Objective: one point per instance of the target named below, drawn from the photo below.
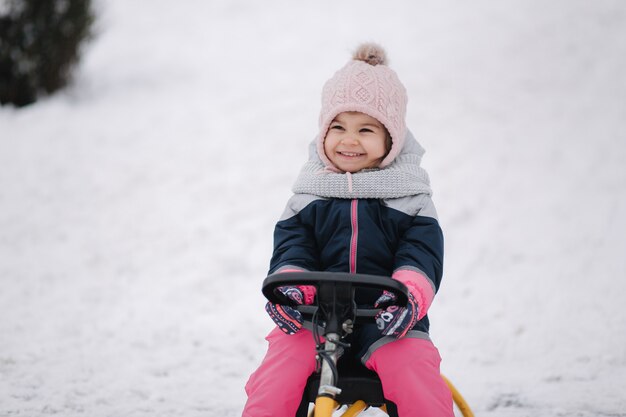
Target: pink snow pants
(408, 369)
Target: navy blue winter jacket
(369, 236)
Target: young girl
(361, 205)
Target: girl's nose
(350, 140)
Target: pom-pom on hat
(367, 85)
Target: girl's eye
(336, 127)
(365, 130)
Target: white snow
(137, 207)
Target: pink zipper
(355, 235)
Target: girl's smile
(355, 141)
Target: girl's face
(355, 141)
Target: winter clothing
(367, 85)
(379, 235)
(393, 320)
(414, 363)
(275, 388)
(404, 177)
(293, 294)
(397, 237)
(375, 221)
(288, 319)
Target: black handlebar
(319, 279)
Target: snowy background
(137, 207)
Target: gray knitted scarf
(404, 177)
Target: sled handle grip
(317, 278)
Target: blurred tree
(39, 44)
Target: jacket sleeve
(419, 257)
(295, 247)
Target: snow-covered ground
(137, 207)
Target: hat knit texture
(367, 85)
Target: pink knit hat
(367, 85)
